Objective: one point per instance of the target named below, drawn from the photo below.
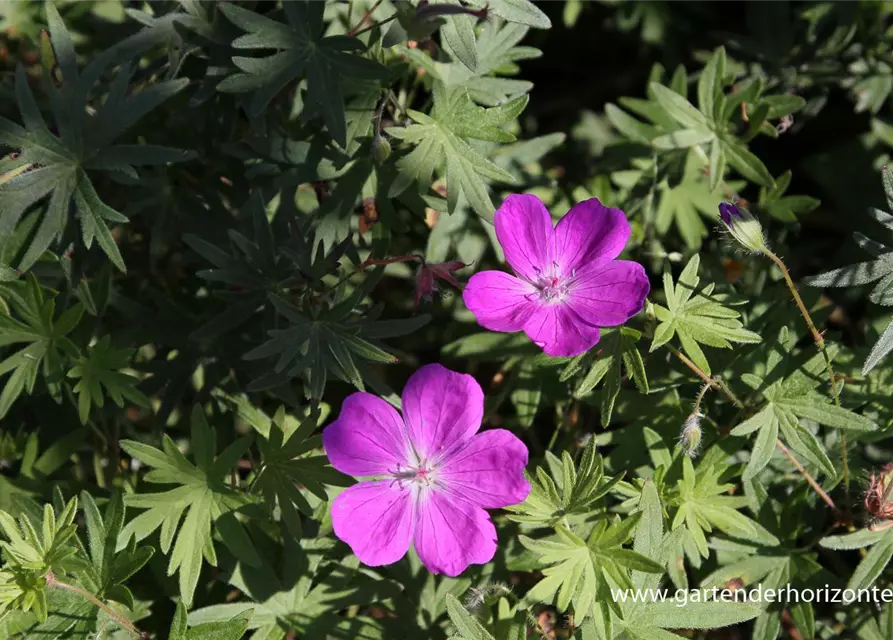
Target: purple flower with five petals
(568, 282)
(432, 475)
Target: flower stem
(52, 581)
(719, 384)
(366, 16)
(812, 483)
(820, 343)
(712, 382)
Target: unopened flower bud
(381, 149)
(878, 500)
(429, 273)
(743, 226)
(691, 434)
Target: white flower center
(419, 475)
(553, 286)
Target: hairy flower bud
(690, 438)
(381, 149)
(743, 226)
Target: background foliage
(219, 219)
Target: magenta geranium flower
(432, 475)
(567, 281)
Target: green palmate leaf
(54, 167)
(570, 490)
(285, 466)
(319, 345)
(615, 353)
(34, 324)
(202, 499)
(497, 51)
(303, 52)
(35, 549)
(99, 374)
(577, 569)
(703, 503)
(697, 316)
(686, 204)
(441, 145)
(789, 388)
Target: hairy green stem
(52, 581)
(820, 343)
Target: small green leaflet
(697, 316)
(570, 490)
(201, 494)
(99, 375)
(55, 167)
(441, 145)
(303, 52)
(108, 569)
(880, 269)
(576, 570)
(790, 393)
(874, 562)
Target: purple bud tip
(727, 211)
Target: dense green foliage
(217, 220)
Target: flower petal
(376, 519)
(452, 534)
(368, 438)
(589, 235)
(442, 408)
(488, 471)
(559, 331)
(611, 295)
(499, 301)
(524, 229)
